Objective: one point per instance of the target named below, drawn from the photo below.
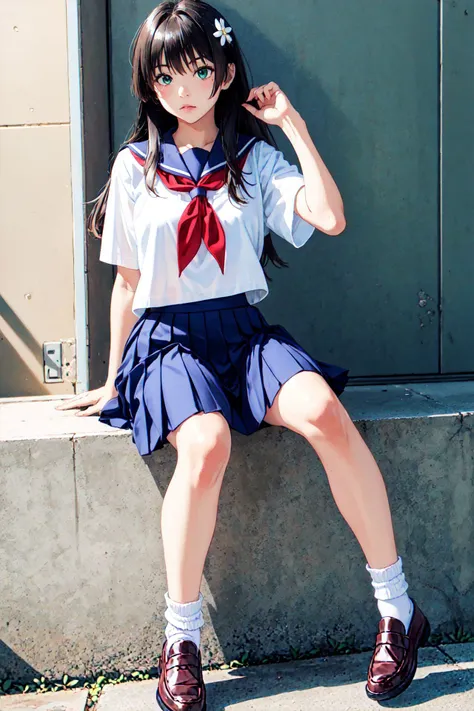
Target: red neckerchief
(199, 221)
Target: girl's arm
(319, 201)
(122, 317)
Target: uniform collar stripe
(172, 169)
(172, 161)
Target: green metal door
(457, 188)
(366, 78)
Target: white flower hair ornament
(222, 31)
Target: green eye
(206, 70)
(164, 76)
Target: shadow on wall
(17, 377)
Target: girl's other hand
(273, 104)
(92, 400)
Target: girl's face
(188, 95)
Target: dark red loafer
(395, 657)
(180, 684)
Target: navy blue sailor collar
(172, 161)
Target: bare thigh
(307, 405)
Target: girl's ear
(230, 76)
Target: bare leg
(307, 405)
(189, 510)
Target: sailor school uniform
(200, 344)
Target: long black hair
(172, 32)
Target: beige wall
(36, 236)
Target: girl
(184, 217)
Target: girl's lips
(188, 106)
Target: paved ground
(52, 701)
(444, 680)
(330, 684)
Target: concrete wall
(83, 573)
(36, 247)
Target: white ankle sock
(390, 588)
(184, 620)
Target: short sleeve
(118, 243)
(280, 181)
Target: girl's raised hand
(92, 400)
(273, 104)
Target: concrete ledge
(35, 417)
(84, 576)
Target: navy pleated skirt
(214, 355)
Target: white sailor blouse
(191, 241)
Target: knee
(325, 418)
(205, 453)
